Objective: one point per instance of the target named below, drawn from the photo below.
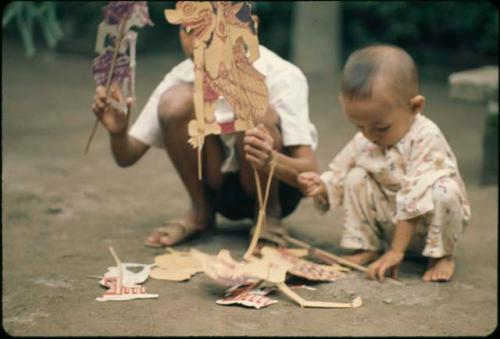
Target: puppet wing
(242, 85)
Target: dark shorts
(232, 202)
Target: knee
(355, 178)
(445, 192)
(176, 105)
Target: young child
(397, 179)
(228, 186)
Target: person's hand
(310, 184)
(389, 261)
(114, 121)
(258, 147)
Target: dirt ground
(61, 211)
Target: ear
(417, 104)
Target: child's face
(382, 118)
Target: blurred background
(449, 34)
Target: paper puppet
(122, 283)
(115, 46)
(270, 269)
(303, 268)
(225, 46)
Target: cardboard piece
(129, 277)
(115, 46)
(175, 266)
(116, 293)
(122, 283)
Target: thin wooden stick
(108, 81)
(119, 267)
(338, 259)
(256, 235)
(269, 179)
(310, 303)
(257, 184)
(262, 210)
(199, 156)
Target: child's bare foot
(362, 257)
(440, 269)
(173, 232)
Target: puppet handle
(262, 209)
(119, 267)
(108, 81)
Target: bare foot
(440, 269)
(362, 257)
(175, 231)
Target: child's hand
(258, 146)
(113, 120)
(311, 184)
(390, 260)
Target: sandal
(176, 230)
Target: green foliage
(439, 32)
(26, 14)
(275, 25)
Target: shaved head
(380, 65)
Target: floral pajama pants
(369, 217)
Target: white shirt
(288, 95)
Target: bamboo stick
(109, 80)
(338, 259)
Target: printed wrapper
(125, 293)
(252, 298)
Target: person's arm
(394, 256)
(126, 149)
(296, 159)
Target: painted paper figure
(270, 269)
(225, 46)
(115, 44)
(122, 283)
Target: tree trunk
(316, 36)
